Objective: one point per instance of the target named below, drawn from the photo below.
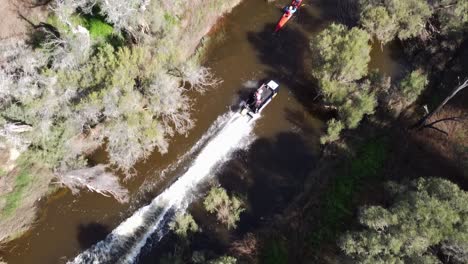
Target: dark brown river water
(245, 52)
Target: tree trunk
(422, 122)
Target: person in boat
(291, 10)
(296, 2)
(258, 98)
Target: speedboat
(259, 99)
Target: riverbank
(23, 188)
(12, 25)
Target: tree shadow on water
(91, 233)
(342, 11)
(270, 173)
(309, 128)
(286, 53)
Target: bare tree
(71, 49)
(133, 139)
(169, 103)
(64, 9)
(246, 247)
(197, 77)
(422, 123)
(123, 14)
(20, 79)
(95, 179)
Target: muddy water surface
(244, 53)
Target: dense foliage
(183, 224)
(77, 91)
(387, 19)
(340, 54)
(412, 85)
(403, 18)
(340, 60)
(423, 215)
(378, 22)
(227, 209)
(223, 260)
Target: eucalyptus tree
(422, 216)
(340, 64)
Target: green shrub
(227, 209)
(334, 128)
(223, 260)
(356, 107)
(13, 199)
(183, 224)
(97, 27)
(413, 85)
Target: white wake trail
(125, 242)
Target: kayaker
(296, 2)
(291, 10)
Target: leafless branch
(422, 122)
(95, 179)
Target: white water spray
(125, 242)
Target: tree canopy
(340, 61)
(340, 54)
(412, 85)
(76, 92)
(378, 22)
(423, 215)
(388, 18)
(453, 15)
(227, 209)
(183, 224)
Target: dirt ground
(14, 17)
(11, 11)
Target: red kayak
(287, 15)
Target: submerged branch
(95, 179)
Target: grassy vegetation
(13, 199)
(171, 20)
(98, 28)
(338, 200)
(275, 252)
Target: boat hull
(286, 16)
(253, 106)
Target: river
(244, 52)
